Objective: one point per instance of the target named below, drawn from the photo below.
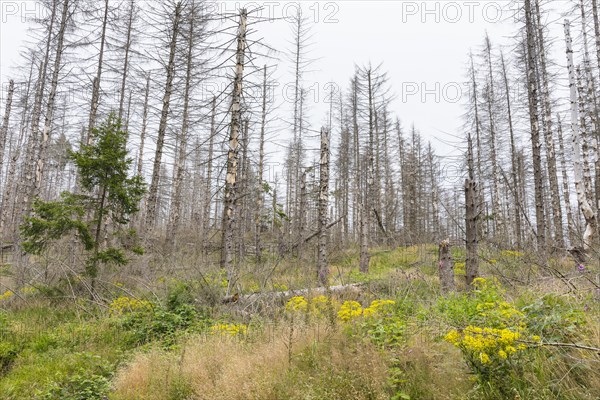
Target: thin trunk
(368, 198)
(175, 214)
(5, 122)
(549, 136)
(209, 169)
(39, 176)
(140, 161)
(34, 140)
(513, 157)
(322, 264)
(565, 182)
(126, 59)
(98, 78)
(584, 205)
(532, 92)
(229, 198)
(496, 207)
(162, 127)
(260, 196)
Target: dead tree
(533, 100)
(98, 77)
(549, 135)
(446, 267)
(50, 106)
(180, 161)
(322, 264)
(162, 127)
(513, 156)
(5, 121)
(229, 197)
(582, 198)
(209, 171)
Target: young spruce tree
(108, 195)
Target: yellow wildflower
(296, 303)
(350, 310)
(453, 337)
(484, 358)
(228, 329)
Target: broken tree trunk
(322, 263)
(471, 216)
(446, 267)
(229, 199)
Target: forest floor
(527, 331)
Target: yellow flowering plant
(124, 305)
(6, 295)
(229, 330)
(496, 331)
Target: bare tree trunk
(565, 182)
(532, 92)
(209, 169)
(229, 199)
(302, 209)
(34, 140)
(357, 198)
(597, 37)
(179, 170)
(97, 79)
(584, 205)
(162, 127)
(9, 197)
(549, 136)
(446, 267)
(39, 176)
(140, 161)
(496, 207)
(471, 216)
(5, 122)
(368, 198)
(322, 264)
(260, 196)
(592, 111)
(584, 132)
(513, 156)
(126, 59)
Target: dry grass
(214, 368)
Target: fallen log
(353, 287)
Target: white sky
(423, 46)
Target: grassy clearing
(172, 339)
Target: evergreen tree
(109, 196)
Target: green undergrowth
(396, 338)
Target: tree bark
(5, 123)
(162, 127)
(179, 170)
(471, 217)
(229, 199)
(532, 94)
(39, 175)
(322, 264)
(584, 205)
(97, 79)
(446, 267)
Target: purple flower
(581, 268)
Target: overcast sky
(423, 46)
